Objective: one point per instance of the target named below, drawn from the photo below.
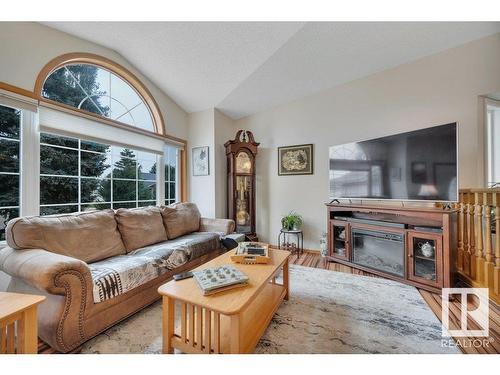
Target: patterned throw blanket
(118, 275)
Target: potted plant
(292, 221)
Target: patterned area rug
(328, 312)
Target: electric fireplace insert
(380, 251)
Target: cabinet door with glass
(340, 240)
(425, 258)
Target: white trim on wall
(487, 104)
(30, 165)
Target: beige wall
(209, 128)
(224, 131)
(202, 188)
(27, 46)
(435, 90)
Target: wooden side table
(18, 323)
(294, 248)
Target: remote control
(183, 275)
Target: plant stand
(294, 247)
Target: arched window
(100, 87)
(82, 170)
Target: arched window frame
(32, 100)
(105, 63)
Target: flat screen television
(417, 165)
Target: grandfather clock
(240, 153)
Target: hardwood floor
(467, 345)
(472, 345)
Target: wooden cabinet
(425, 257)
(411, 245)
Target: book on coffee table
(217, 279)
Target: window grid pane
(99, 176)
(171, 166)
(99, 91)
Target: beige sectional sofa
(96, 268)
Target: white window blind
(71, 125)
(11, 99)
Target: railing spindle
(465, 236)
(478, 253)
(496, 277)
(479, 239)
(472, 241)
(460, 256)
(489, 266)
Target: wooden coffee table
(18, 323)
(227, 322)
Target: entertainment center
(413, 245)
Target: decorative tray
(251, 253)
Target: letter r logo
(480, 313)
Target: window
(10, 140)
(99, 91)
(81, 175)
(493, 144)
(171, 169)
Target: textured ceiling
(243, 68)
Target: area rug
(328, 312)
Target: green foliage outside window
(10, 131)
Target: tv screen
(417, 165)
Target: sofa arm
(44, 270)
(225, 226)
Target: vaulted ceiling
(243, 68)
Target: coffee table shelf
(228, 322)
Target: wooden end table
(18, 323)
(227, 322)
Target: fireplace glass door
(380, 251)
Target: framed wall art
(295, 160)
(200, 161)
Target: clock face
(243, 163)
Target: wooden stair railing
(478, 253)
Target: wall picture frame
(296, 160)
(419, 172)
(200, 157)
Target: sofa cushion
(118, 275)
(140, 227)
(180, 219)
(88, 236)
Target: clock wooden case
(241, 153)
